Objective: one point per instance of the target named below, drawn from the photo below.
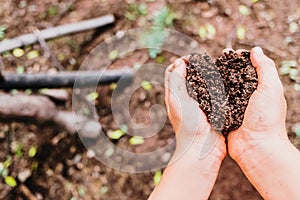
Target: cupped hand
(189, 122)
(264, 119)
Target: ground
(62, 168)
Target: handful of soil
(222, 88)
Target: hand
(199, 151)
(261, 146)
(264, 119)
(188, 120)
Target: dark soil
(223, 99)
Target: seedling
(136, 140)
(18, 52)
(2, 31)
(157, 177)
(32, 54)
(146, 85)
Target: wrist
(245, 146)
(199, 154)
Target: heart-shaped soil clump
(222, 87)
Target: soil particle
(222, 88)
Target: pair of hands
(264, 119)
(260, 146)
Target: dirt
(62, 167)
(222, 88)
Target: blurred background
(39, 159)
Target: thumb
(266, 70)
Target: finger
(266, 70)
(178, 82)
(167, 80)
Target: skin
(189, 174)
(260, 146)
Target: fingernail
(258, 51)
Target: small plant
(2, 31)
(135, 10)
(9, 180)
(157, 177)
(52, 11)
(136, 140)
(289, 67)
(92, 96)
(146, 85)
(32, 151)
(207, 31)
(155, 38)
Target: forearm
(189, 177)
(274, 169)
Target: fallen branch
(42, 109)
(27, 39)
(62, 79)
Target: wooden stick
(27, 39)
(47, 52)
(63, 79)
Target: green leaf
(10, 181)
(124, 128)
(202, 32)
(241, 32)
(294, 74)
(20, 70)
(284, 70)
(32, 151)
(297, 87)
(14, 91)
(255, 1)
(2, 31)
(18, 52)
(211, 31)
(157, 177)
(136, 140)
(113, 54)
(81, 191)
(7, 162)
(28, 91)
(244, 10)
(297, 129)
(160, 59)
(289, 63)
(143, 10)
(113, 86)
(19, 150)
(115, 135)
(32, 54)
(146, 85)
(130, 16)
(164, 18)
(52, 11)
(92, 96)
(103, 189)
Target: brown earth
(62, 167)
